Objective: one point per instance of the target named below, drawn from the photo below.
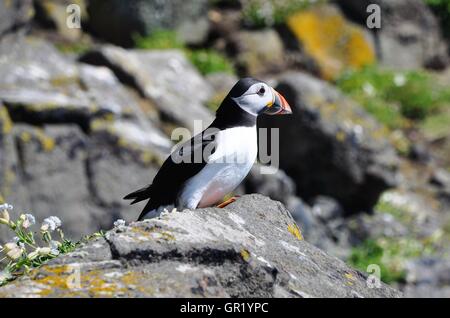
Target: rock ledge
(251, 248)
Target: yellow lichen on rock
(245, 254)
(334, 43)
(294, 230)
(5, 120)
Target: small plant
(27, 250)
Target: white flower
(13, 251)
(56, 220)
(399, 80)
(54, 252)
(6, 206)
(27, 220)
(44, 250)
(369, 89)
(119, 222)
(33, 254)
(54, 244)
(16, 239)
(50, 224)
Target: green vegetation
(207, 61)
(395, 98)
(392, 253)
(370, 252)
(266, 13)
(398, 212)
(158, 40)
(26, 251)
(74, 48)
(388, 253)
(436, 126)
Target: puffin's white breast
(235, 154)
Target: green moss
(158, 40)
(392, 253)
(5, 121)
(436, 126)
(370, 252)
(209, 61)
(396, 99)
(77, 47)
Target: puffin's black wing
(185, 161)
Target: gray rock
(121, 152)
(276, 185)
(409, 37)
(330, 145)
(322, 224)
(165, 77)
(440, 178)
(14, 14)
(326, 208)
(259, 52)
(251, 248)
(11, 188)
(39, 91)
(379, 224)
(117, 21)
(101, 168)
(52, 166)
(221, 82)
(428, 277)
(123, 157)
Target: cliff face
(251, 248)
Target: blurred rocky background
(86, 115)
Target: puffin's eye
(261, 91)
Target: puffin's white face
(261, 98)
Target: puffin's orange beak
(279, 106)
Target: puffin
(202, 171)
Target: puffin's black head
(256, 97)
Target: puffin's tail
(139, 195)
